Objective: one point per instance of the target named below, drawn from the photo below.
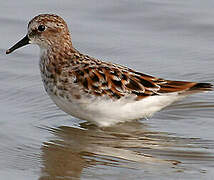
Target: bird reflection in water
(129, 145)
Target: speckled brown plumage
(106, 79)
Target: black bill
(19, 44)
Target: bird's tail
(201, 87)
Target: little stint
(100, 92)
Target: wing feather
(115, 81)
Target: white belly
(104, 112)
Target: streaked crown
(47, 30)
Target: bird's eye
(41, 27)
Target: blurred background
(168, 39)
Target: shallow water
(172, 40)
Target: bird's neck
(54, 58)
(58, 51)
